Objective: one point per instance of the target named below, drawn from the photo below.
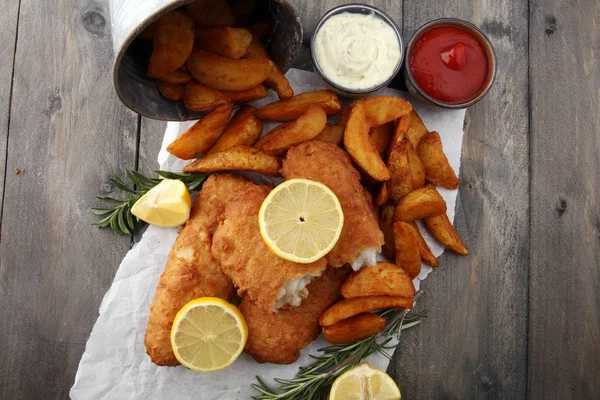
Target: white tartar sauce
(357, 51)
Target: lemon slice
(301, 220)
(166, 205)
(364, 383)
(208, 334)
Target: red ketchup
(449, 64)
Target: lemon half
(208, 334)
(364, 383)
(166, 205)
(301, 220)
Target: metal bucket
(139, 92)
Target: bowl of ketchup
(449, 63)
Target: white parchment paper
(115, 365)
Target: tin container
(423, 97)
(139, 92)
(356, 9)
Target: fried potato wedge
(416, 167)
(441, 228)
(292, 108)
(382, 195)
(386, 220)
(276, 80)
(173, 43)
(382, 135)
(261, 28)
(244, 129)
(345, 114)
(416, 128)
(200, 137)
(426, 255)
(289, 134)
(437, 168)
(408, 255)
(240, 158)
(225, 41)
(420, 203)
(148, 33)
(353, 329)
(244, 96)
(384, 279)
(332, 133)
(382, 109)
(360, 147)
(177, 77)
(202, 98)
(347, 308)
(169, 90)
(225, 74)
(401, 180)
(243, 10)
(211, 12)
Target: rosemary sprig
(312, 381)
(117, 213)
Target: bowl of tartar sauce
(357, 49)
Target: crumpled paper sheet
(115, 365)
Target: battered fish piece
(191, 271)
(265, 278)
(278, 337)
(361, 237)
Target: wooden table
(519, 317)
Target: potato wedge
(382, 135)
(426, 255)
(347, 308)
(384, 279)
(291, 109)
(177, 77)
(360, 147)
(173, 43)
(345, 114)
(382, 194)
(169, 90)
(386, 220)
(244, 96)
(420, 203)
(289, 134)
(416, 167)
(225, 41)
(276, 80)
(225, 74)
(242, 10)
(202, 98)
(416, 128)
(148, 33)
(211, 12)
(408, 255)
(242, 158)
(331, 133)
(261, 28)
(382, 109)
(401, 180)
(243, 129)
(441, 228)
(437, 168)
(200, 137)
(353, 329)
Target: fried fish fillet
(265, 278)
(361, 237)
(278, 337)
(191, 271)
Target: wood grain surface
(564, 308)
(518, 318)
(473, 345)
(70, 133)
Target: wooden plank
(70, 133)
(473, 343)
(151, 136)
(8, 22)
(564, 312)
